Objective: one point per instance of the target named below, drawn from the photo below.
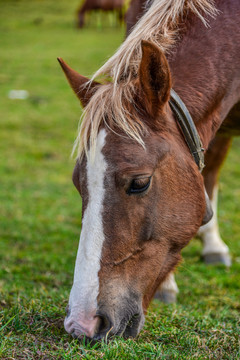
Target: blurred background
(40, 210)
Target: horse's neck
(206, 69)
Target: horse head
(141, 204)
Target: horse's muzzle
(126, 322)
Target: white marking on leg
(209, 233)
(85, 289)
(167, 291)
(169, 284)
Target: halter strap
(188, 129)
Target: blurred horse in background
(105, 5)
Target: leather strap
(188, 129)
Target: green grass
(40, 209)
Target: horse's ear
(80, 84)
(155, 78)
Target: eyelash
(138, 186)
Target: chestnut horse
(105, 5)
(142, 193)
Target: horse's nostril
(105, 324)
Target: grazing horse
(105, 5)
(143, 195)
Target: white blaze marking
(209, 233)
(83, 296)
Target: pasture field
(40, 208)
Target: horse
(105, 5)
(143, 193)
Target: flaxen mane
(111, 101)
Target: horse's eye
(139, 185)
